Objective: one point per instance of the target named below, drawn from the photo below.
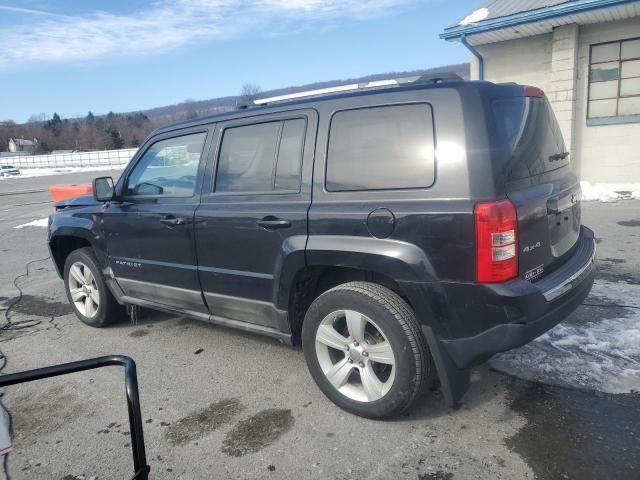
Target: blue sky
(72, 56)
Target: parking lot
(219, 403)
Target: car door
(150, 231)
(253, 213)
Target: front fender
(82, 223)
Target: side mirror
(103, 189)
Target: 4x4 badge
(529, 248)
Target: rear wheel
(364, 349)
(87, 292)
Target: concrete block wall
(559, 64)
(562, 90)
(525, 60)
(605, 153)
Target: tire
(100, 306)
(394, 350)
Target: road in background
(219, 403)
(23, 200)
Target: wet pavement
(576, 434)
(224, 404)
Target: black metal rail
(133, 398)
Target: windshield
(530, 140)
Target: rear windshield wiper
(559, 156)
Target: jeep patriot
(401, 233)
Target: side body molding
(290, 261)
(401, 261)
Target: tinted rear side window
(264, 157)
(381, 148)
(290, 154)
(246, 158)
(529, 136)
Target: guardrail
(115, 158)
(140, 466)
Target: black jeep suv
(402, 234)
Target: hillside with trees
(125, 130)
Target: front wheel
(365, 350)
(87, 292)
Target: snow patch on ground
(44, 172)
(609, 192)
(599, 355)
(475, 16)
(41, 222)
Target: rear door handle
(171, 221)
(273, 223)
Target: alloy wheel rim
(84, 289)
(355, 355)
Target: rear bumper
(521, 310)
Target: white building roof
(499, 20)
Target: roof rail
(439, 77)
(435, 78)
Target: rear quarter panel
(436, 221)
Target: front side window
(614, 79)
(263, 157)
(168, 168)
(381, 148)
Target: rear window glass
(530, 138)
(381, 148)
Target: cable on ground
(10, 325)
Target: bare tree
(37, 117)
(249, 92)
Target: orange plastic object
(66, 190)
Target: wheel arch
(61, 247)
(333, 260)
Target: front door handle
(171, 221)
(273, 223)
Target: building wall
(559, 64)
(607, 153)
(526, 60)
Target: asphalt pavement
(219, 403)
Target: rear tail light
(496, 241)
